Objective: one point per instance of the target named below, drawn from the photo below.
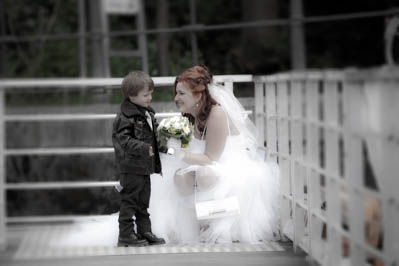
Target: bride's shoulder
(217, 113)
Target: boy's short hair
(136, 81)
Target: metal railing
(332, 133)
(9, 84)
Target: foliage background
(334, 44)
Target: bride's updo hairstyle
(197, 79)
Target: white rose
(186, 130)
(179, 125)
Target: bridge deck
(32, 245)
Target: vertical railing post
(141, 22)
(193, 34)
(82, 38)
(259, 116)
(353, 168)
(3, 237)
(271, 117)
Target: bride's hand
(174, 148)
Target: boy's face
(143, 97)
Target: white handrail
(59, 151)
(76, 117)
(54, 218)
(60, 185)
(69, 117)
(58, 117)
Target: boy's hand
(151, 153)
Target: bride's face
(185, 100)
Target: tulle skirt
(253, 181)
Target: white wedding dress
(253, 181)
(241, 172)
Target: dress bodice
(234, 143)
(196, 146)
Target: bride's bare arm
(216, 134)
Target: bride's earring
(197, 105)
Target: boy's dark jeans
(135, 200)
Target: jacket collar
(130, 109)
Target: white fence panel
(339, 179)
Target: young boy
(134, 138)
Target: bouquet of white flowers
(178, 127)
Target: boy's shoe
(131, 241)
(151, 238)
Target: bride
(220, 161)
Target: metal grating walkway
(38, 242)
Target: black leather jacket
(132, 137)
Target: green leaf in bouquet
(184, 142)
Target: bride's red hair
(197, 79)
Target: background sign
(121, 6)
